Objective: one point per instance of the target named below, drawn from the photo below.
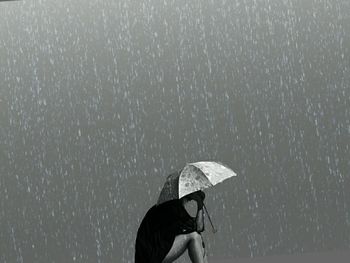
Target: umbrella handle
(206, 211)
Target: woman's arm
(199, 197)
(200, 220)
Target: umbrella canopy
(194, 177)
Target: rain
(101, 100)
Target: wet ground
(337, 256)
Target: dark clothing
(158, 229)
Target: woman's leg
(196, 250)
(192, 242)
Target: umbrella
(193, 177)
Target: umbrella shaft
(206, 211)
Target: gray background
(100, 100)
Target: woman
(167, 231)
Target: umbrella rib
(202, 173)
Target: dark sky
(101, 100)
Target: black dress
(158, 229)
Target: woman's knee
(195, 236)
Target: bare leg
(192, 242)
(196, 250)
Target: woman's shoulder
(168, 204)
